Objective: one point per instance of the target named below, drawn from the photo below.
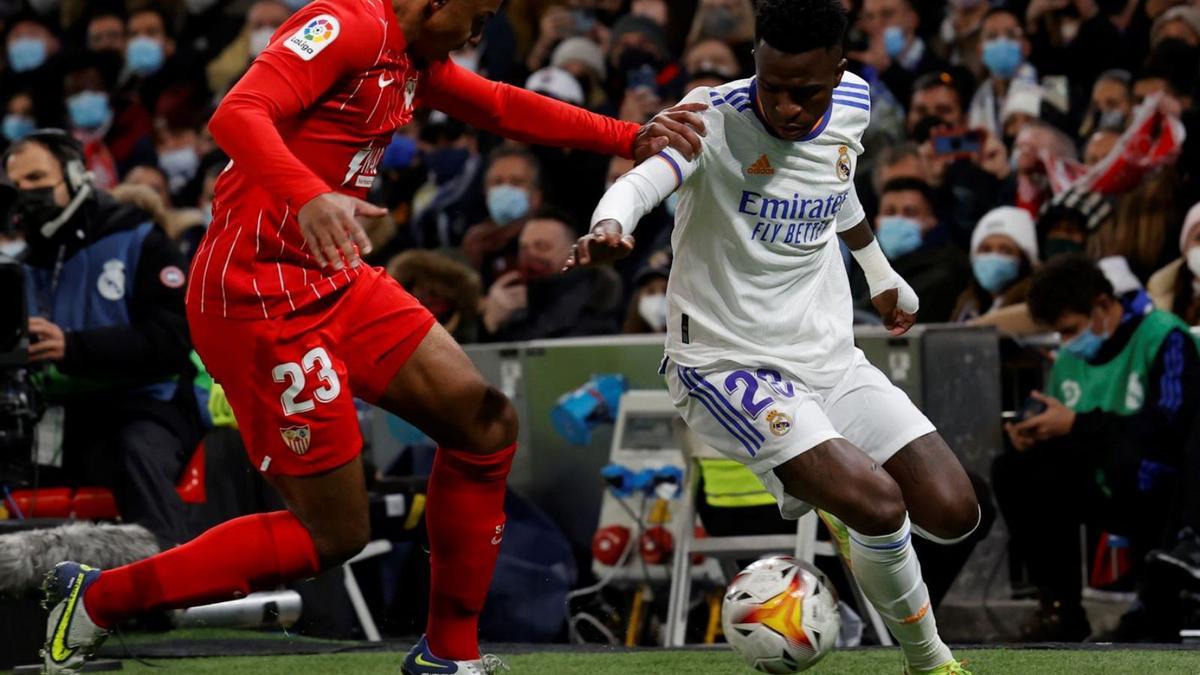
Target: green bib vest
(1119, 386)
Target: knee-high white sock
(888, 573)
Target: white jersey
(758, 277)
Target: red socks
(465, 519)
(229, 561)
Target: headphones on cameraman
(80, 182)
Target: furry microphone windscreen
(25, 557)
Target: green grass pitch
(717, 662)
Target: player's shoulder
(322, 23)
(851, 106)
(729, 99)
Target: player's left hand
(679, 127)
(603, 244)
(51, 342)
(897, 306)
(1056, 420)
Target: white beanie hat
(556, 83)
(580, 49)
(1013, 222)
(1190, 222)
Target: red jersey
(314, 114)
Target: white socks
(888, 573)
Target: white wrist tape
(876, 268)
(881, 277)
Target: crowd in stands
(1008, 139)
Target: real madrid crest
(843, 164)
(111, 283)
(779, 422)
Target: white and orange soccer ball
(781, 615)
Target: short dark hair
(511, 151)
(1071, 283)
(555, 213)
(909, 184)
(797, 26)
(1001, 9)
(959, 83)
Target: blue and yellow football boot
(72, 638)
(421, 661)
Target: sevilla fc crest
(296, 438)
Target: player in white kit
(760, 356)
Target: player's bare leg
(837, 477)
(332, 507)
(440, 391)
(940, 498)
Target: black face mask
(633, 58)
(34, 208)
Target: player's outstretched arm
(624, 204)
(524, 116)
(893, 298)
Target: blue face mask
(1002, 56)
(89, 110)
(26, 54)
(144, 55)
(671, 203)
(295, 4)
(446, 163)
(894, 41)
(1085, 345)
(17, 127)
(507, 203)
(995, 271)
(898, 236)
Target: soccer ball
(781, 615)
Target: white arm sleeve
(637, 193)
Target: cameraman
(105, 292)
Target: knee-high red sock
(465, 519)
(230, 560)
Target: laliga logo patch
(296, 438)
(843, 164)
(780, 422)
(314, 36)
(111, 283)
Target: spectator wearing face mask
(1003, 252)
(90, 76)
(262, 19)
(32, 51)
(513, 192)
(1111, 103)
(1066, 221)
(1176, 287)
(20, 117)
(1110, 443)
(538, 301)
(647, 311)
(158, 80)
(639, 59)
(1003, 50)
(177, 148)
(895, 51)
(450, 153)
(919, 248)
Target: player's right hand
(603, 244)
(897, 306)
(334, 235)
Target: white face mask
(12, 248)
(653, 309)
(259, 40)
(1193, 260)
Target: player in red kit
(294, 326)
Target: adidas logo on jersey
(761, 167)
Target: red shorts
(292, 380)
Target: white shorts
(763, 417)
